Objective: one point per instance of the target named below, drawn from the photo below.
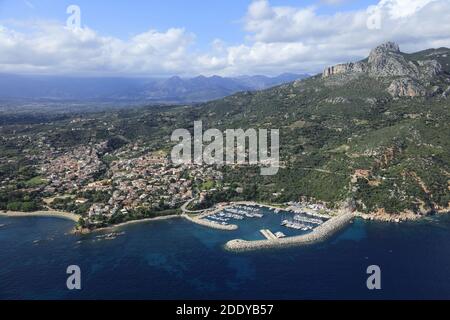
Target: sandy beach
(50, 214)
(73, 217)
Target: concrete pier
(268, 234)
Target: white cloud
(279, 39)
(53, 48)
(403, 8)
(300, 38)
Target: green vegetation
(35, 182)
(140, 214)
(20, 201)
(330, 130)
(207, 185)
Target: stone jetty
(210, 224)
(319, 234)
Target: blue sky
(192, 37)
(208, 19)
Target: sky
(229, 38)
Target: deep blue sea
(176, 259)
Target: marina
(262, 221)
(302, 222)
(319, 234)
(296, 225)
(234, 213)
(301, 218)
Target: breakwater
(319, 234)
(210, 224)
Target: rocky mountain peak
(386, 48)
(407, 76)
(384, 60)
(387, 60)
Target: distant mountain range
(370, 135)
(170, 90)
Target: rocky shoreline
(319, 234)
(382, 216)
(116, 226)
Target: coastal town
(115, 181)
(124, 185)
(98, 187)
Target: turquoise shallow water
(176, 259)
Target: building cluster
(148, 181)
(69, 171)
